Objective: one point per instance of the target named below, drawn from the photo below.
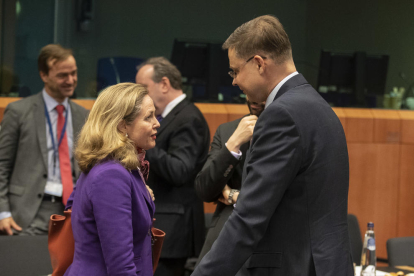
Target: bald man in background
(182, 146)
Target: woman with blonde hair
(112, 209)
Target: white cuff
(236, 155)
(4, 215)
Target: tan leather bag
(61, 242)
(157, 241)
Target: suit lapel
(170, 117)
(77, 119)
(40, 119)
(145, 194)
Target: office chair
(24, 255)
(355, 238)
(113, 70)
(400, 251)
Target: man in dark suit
(291, 214)
(181, 150)
(221, 174)
(33, 182)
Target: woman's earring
(126, 135)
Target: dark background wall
(148, 28)
(377, 27)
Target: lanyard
(55, 149)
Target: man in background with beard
(220, 179)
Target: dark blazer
(180, 152)
(220, 169)
(23, 156)
(291, 214)
(111, 221)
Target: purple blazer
(111, 220)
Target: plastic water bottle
(368, 256)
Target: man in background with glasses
(291, 213)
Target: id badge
(54, 188)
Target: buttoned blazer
(23, 156)
(291, 214)
(111, 220)
(221, 168)
(181, 150)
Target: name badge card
(54, 188)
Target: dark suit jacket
(291, 214)
(23, 156)
(220, 169)
(180, 152)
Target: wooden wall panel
(407, 126)
(215, 115)
(341, 115)
(3, 104)
(209, 207)
(406, 192)
(373, 189)
(359, 125)
(236, 111)
(387, 126)
(85, 103)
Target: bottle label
(371, 244)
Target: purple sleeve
(110, 195)
(70, 200)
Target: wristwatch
(230, 199)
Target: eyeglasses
(234, 74)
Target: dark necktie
(159, 118)
(64, 159)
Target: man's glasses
(234, 74)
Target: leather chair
(355, 238)
(24, 255)
(400, 251)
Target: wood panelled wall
(381, 158)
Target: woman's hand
(150, 192)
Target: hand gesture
(7, 224)
(242, 134)
(150, 192)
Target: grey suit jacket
(291, 214)
(23, 156)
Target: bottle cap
(371, 224)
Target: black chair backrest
(24, 255)
(400, 251)
(355, 238)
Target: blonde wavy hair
(100, 137)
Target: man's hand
(225, 196)
(150, 192)
(7, 224)
(242, 134)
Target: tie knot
(60, 108)
(159, 118)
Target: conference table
(382, 271)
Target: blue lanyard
(55, 149)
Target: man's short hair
(164, 68)
(263, 35)
(54, 53)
